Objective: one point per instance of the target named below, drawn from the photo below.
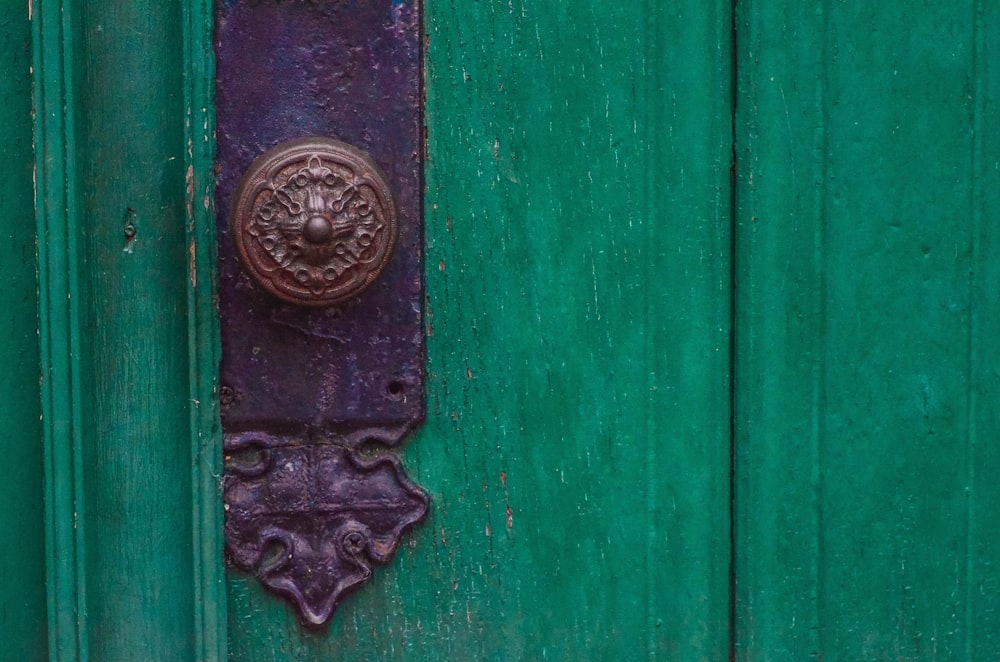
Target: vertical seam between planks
(649, 209)
(733, 230)
(73, 295)
(209, 608)
(819, 368)
(973, 336)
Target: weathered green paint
(867, 379)
(123, 128)
(577, 441)
(22, 564)
(59, 325)
(579, 235)
(205, 431)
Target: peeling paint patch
(129, 230)
(189, 187)
(194, 267)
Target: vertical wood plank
(129, 342)
(578, 211)
(60, 298)
(577, 441)
(866, 293)
(203, 344)
(982, 578)
(22, 565)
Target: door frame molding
(69, 361)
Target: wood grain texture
(204, 426)
(577, 441)
(128, 338)
(867, 300)
(59, 303)
(22, 565)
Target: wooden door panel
(577, 437)
(866, 313)
(579, 218)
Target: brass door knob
(314, 221)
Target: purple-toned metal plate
(349, 71)
(323, 346)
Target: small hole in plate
(395, 389)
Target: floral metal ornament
(311, 519)
(314, 221)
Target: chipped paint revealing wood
(193, 265)
(189, 187)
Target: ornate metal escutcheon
(321, 289)
(311, 518)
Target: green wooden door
(866, 311)
(677, 407)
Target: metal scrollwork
(311, 518)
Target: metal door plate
(316, 386)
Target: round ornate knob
(314, 221)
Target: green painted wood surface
(577, 441)
(22, 563)
(59, 301)
(123, 139)
(867, 378)
(579, 228)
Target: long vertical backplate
(576, 447)
(868, 299)
(343, 71)
(319, 112)
(123, 129)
